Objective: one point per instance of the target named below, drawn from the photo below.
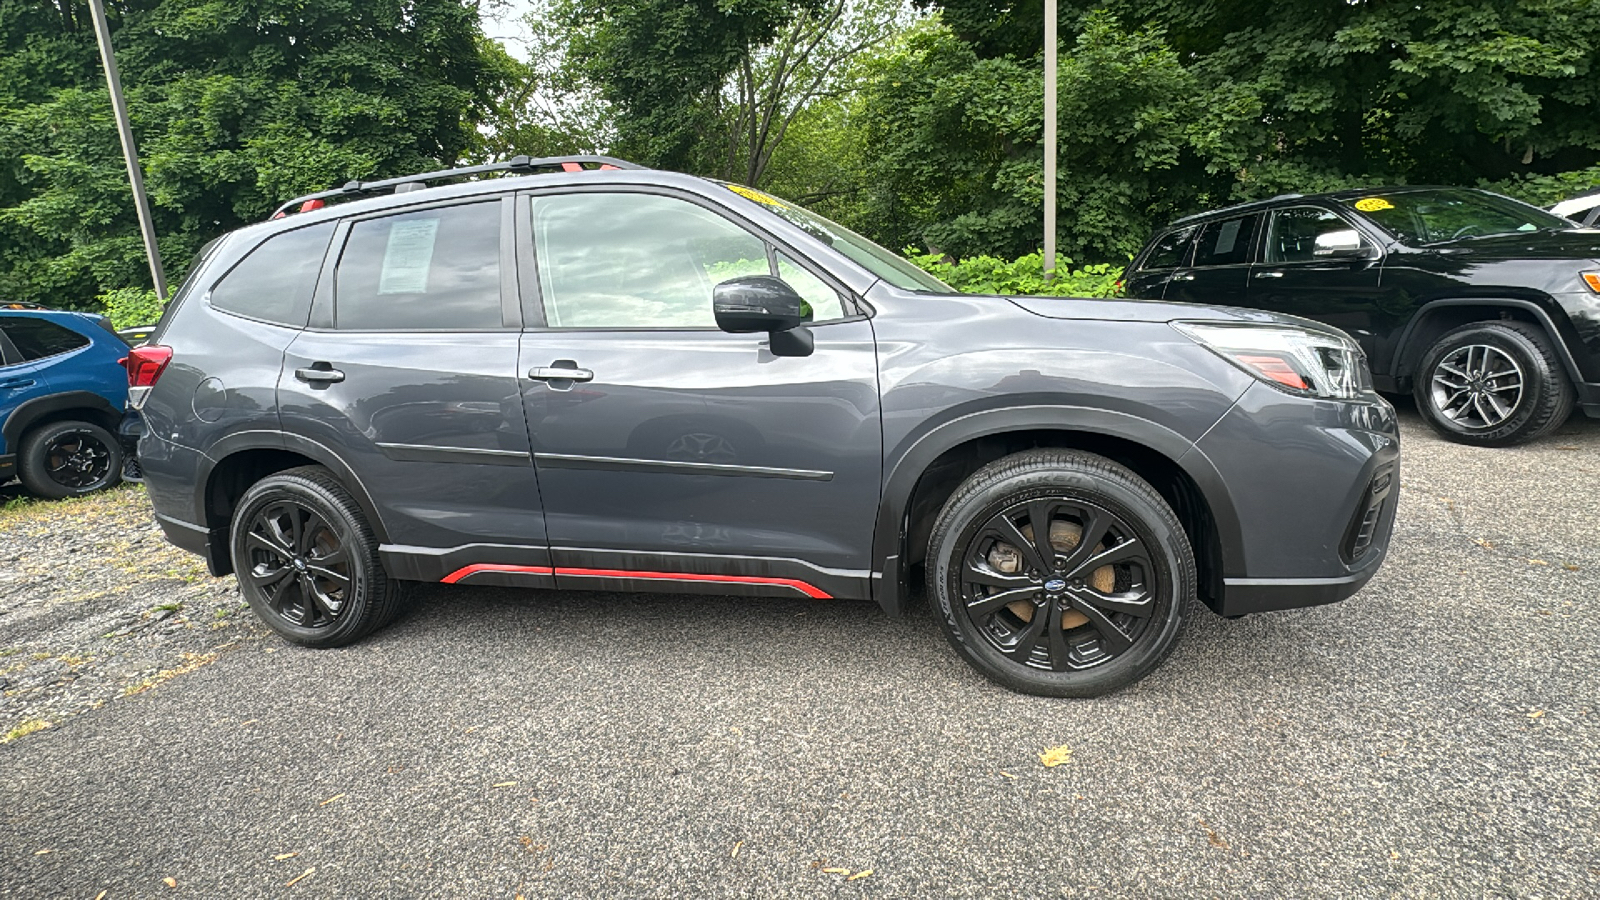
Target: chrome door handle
(319, 376)
(560, 373)
(1187, 276)
(1269, 274)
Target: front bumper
(1315, 485)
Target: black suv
(1486, 309)
(584, 374)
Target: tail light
(145, 365)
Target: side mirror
(758, 303)
(1343, 244)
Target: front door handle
(321, 373)
(1269, 274)
(560, 373)
(16, 383)
(1187, 276)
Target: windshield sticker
(408, 257)
(757, 196)
(1373, 204)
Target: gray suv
(588, 375)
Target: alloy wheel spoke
(993, 603)
(1136, 601)
(1112, 639)
(1130, 550)
(1039, 518)
(327, 606)
(1096, 525)
(1021, 647)
(1060, 653)
(982, 573)
(265, 577)
(1011, 534)
(339, 580)
(270, 544)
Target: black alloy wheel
(307, 561)
(1060, 573)
(1493, 384)
(69, 459)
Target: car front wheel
(1493, 384)
(307, 561)
(1060, 573)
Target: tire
(1493, 384)
(306, 514)
(69, 459)
(1119, 618)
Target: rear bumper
(1315, 485)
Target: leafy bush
(991, 275)
(130, 307)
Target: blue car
(62, 395)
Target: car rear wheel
(307, 561)
(69, 459)
(1493, 384)
(1060, 573)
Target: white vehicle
(1583, 209)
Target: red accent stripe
(465, 571)
(801, 586)
(808, 589)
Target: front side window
(1292, 237)
(37, 339)
(1171, 250)
(615, 260)
(434, 269)
(1226, 242)
(275, 281)
(1434, 215)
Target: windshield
(891, 267)
(1432, 215)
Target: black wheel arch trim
(293, 443)
(1407, 357)
(32, 411)
(889, 534)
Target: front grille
(1364, 525)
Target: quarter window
(1171, 250)
(614, 260)
(1227, 242)
(276, 280)
(434, 269)
(37, 339)
(1294, 232)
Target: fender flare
(32, 411)
(903, 474)
(274, 440)
(1551, 327)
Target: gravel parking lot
(1436, 735)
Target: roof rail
(524, 165)
(1236, 206)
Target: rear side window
(1226, 242)
(1171, 249)
(434, 269)
(37, 339)
(275, 282)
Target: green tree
(236, 107)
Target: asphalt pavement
(1436, 735)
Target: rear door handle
(16, 383)
(560, 373)
(314, 375)
(1187, 276)
(1269, 274)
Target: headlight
(1297, 360)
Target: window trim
(324, 304)
(1273, 214)
(534, 320)
(205, 297)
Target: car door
(677, 456)
(408, 371)
(1168, 255)
(22, 377)
(1316, 264)
(1219, 271)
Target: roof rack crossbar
(514, 164)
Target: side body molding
(907, 468)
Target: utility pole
(119, 107)
(1049, 139)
